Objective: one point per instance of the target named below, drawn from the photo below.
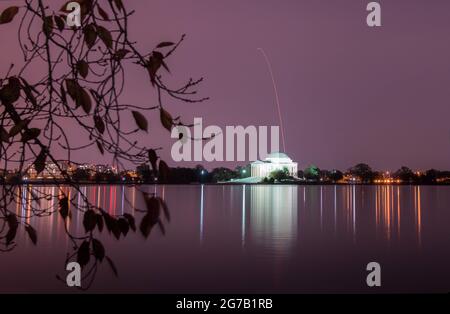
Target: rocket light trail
(269, 66)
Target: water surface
(254, 239)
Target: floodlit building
(274, 161)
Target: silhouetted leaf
(59, 22)
(153, 206)
(13, 224)
(123, 225)
(83, 254)
(153, 65)
(166, 119)
(4, 136)
(119, 4)
(141, 121)
(100, 223)
(100, 147)
(64, 207)
(165, 44)
(99, 250)
(89, 220)
(8, 14)
(113, 267)
(90, 35)
(105, 36)
(111, 224)
(99, 124)
(11, 91)
(84, 100)
(63, 95)
(16, 129)
(31, 233)
(102, 13)
(120, 54)
(83, 68)
(30, 134)
(39, 163)
(146, 226)
(131, 221)
(163, 171)
(72, 88)
(153, 158)
(47, 26)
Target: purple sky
(349, 93)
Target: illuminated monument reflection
(272, 214)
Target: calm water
(263, 239)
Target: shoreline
(43, 183)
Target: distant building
(51, 171)
(274, 161)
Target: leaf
(113, 267)
(99, 249)
(145, 227)
(30, 134)
(13, 225)
(83, 254)
(165, 44)
(11, 235)
(4, 136)
(99, 124)
(153, 158)
(79, 95)
(64, 207)
(90, 35)
(83, 68)
(8, 14)
(111, 224)
(100, 147)
(152, 204)
(102, 13)
(39, 163)
(141, 121)
(89, 220)
(123, 225)
(166, 119)
(63, 95)
(16, 129)
(120, 54)
(153, 65)
(31, 233)
(47, 26)
(85, 101)
(105, 36)
(72, 88)
(100, 223)
(131, 221)
(59, 22)
(10, 93)
(119, 4)
(163, 171)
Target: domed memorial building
(274, 161)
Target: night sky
(349, 93)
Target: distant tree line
(360, 173)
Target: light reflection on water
(287, 231)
